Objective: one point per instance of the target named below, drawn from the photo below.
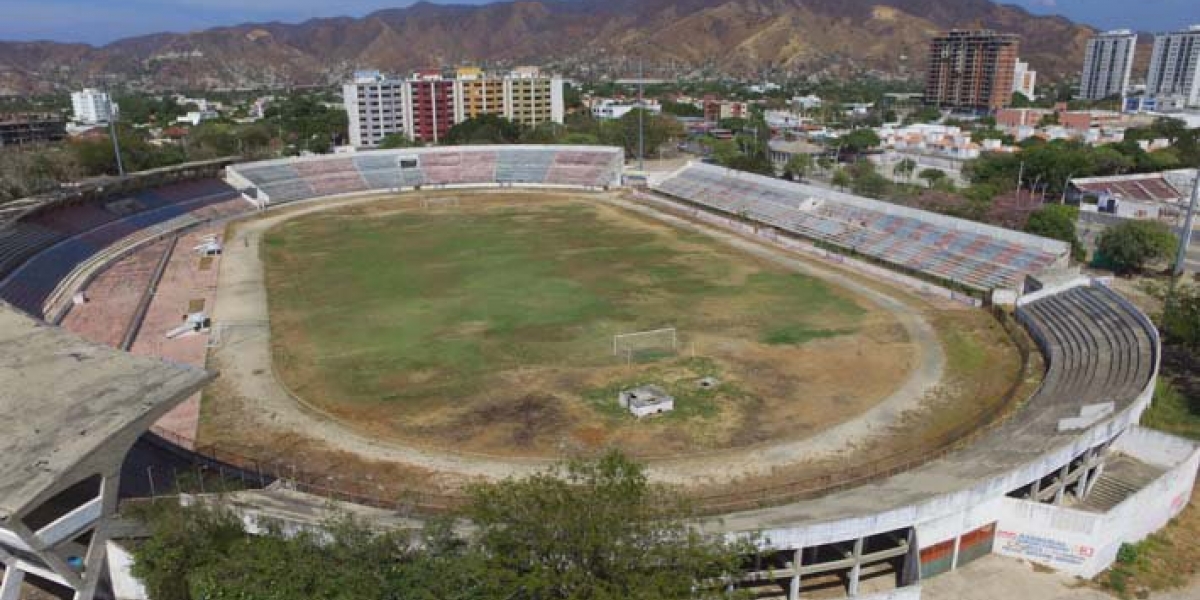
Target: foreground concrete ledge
(73, 408)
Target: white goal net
(645, 343)
(440, 202)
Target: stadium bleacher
(43, 251)
(953, 250)
(524, 166)
(311, 177)
(579, 168)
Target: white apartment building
(608, 109)
(1175, 68)
(375, 107)
(1025, 80)
(1107, 65)
(92, 107)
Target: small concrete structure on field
(646, 400)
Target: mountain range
(577, 36)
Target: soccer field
(488, 326)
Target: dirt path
(998, 578)
(244, 359)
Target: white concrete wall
(1083, 543)
(120, 565)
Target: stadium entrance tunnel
(849, 568)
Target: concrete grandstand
(277, 182)
(1062, 482)
(955, 251)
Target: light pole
(642, 114)
(1185, 236)
(112, 133)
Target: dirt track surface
(253, 404)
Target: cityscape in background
(425, 271)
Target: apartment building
(971, 70)
(1107, 65)
(424, 106)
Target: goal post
(440, 202)
(664, 340)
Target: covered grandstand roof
(71, 407)
(11, 212)
(1165, 187)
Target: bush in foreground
(588, 530)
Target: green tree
(95, 154)
(596, 530)
(932, 176)
(546, 132)
(925, 114)
(905, 168)
(859, 141)
(733, 123)
(396, 140)
(841, 179)
(866, 181)
(484, 129)
(1057, 221)
(1048, 120)
(1181, 318)
(589, 530)
(798, 166)
(825, 162)
(682, 109)
(147, 109)
(1132, 245)
(623, 132)
(306, 122)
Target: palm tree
(905, 168)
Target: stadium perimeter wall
(1084, 543)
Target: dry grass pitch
(487, 327)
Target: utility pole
(112, 133)
(1185, 236)
(642, 114)
(1066, 184)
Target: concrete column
(96, 558)
(856, 570)
(10, 588)
(1062, 484)
(794, 586)
(1081, 488)
(910, 572)
(1036, 489)
(1097, 473)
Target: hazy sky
(102, 21)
